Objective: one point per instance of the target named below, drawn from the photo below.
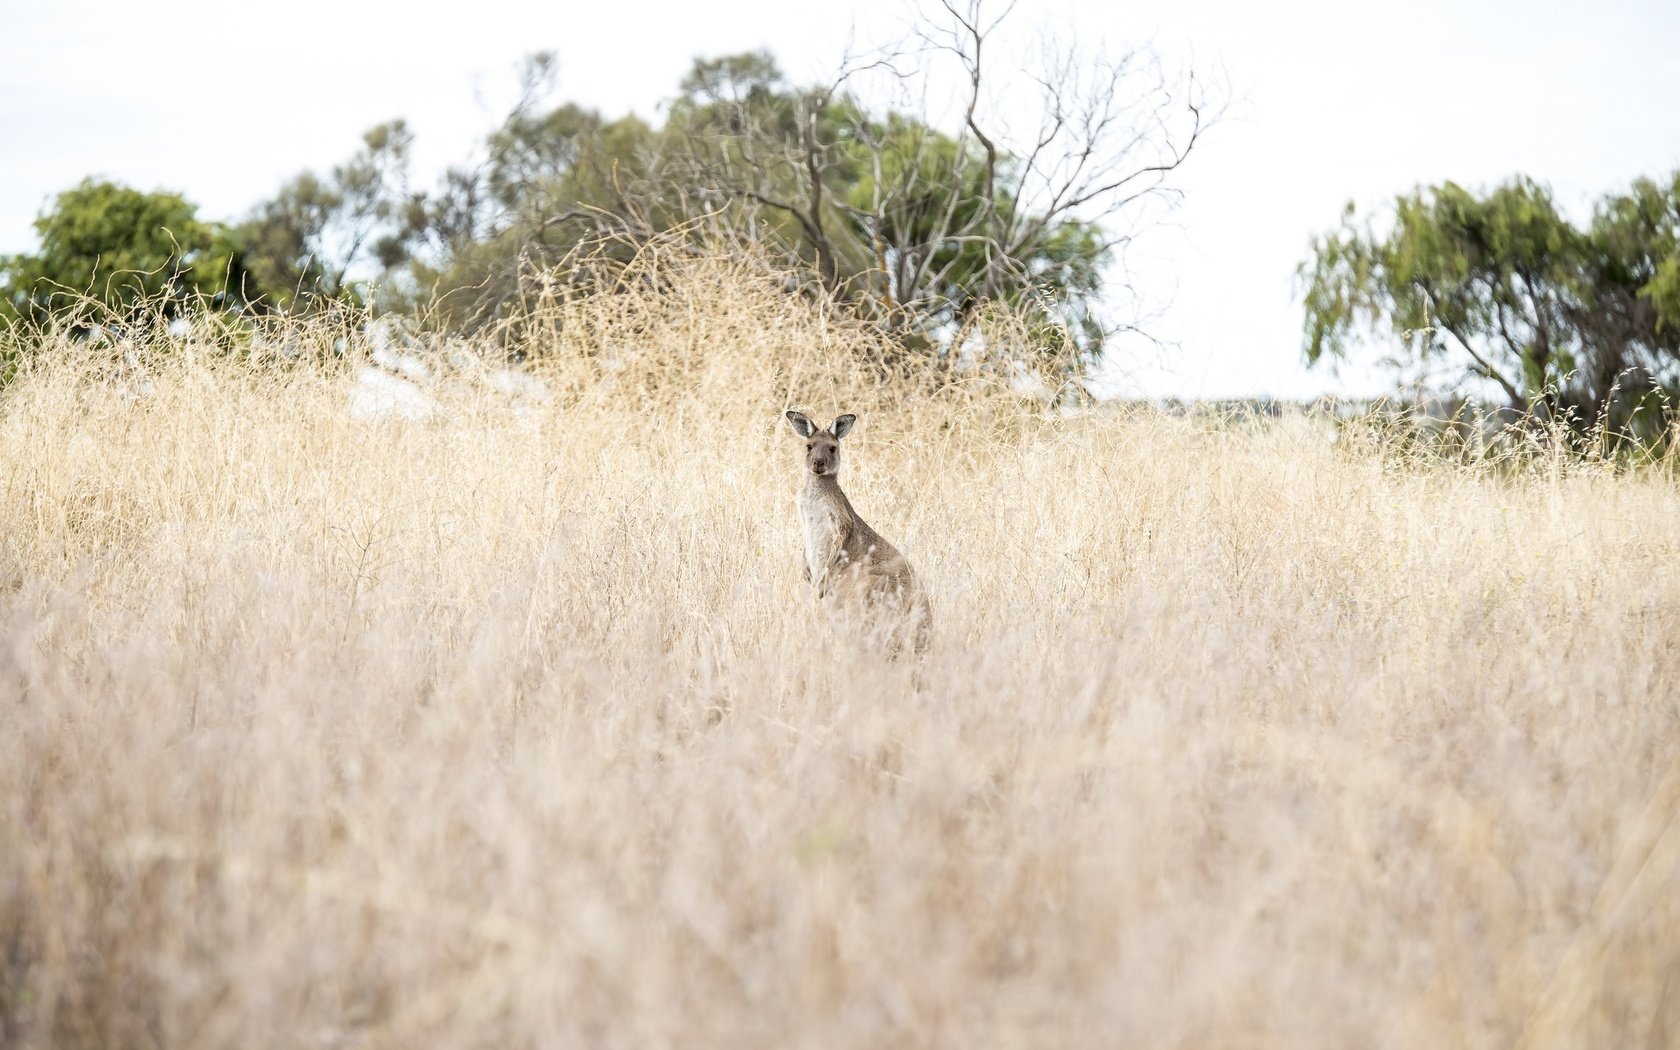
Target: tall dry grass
(516, 727)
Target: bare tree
(920, 217)
(1110, 130)
(924, 225)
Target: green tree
(1503, 287)
(324, 238)
(928, 207)
(126, 250)
(1652, 212)
(549, 177)
(922, 228)
(765, 160)
(548, 183)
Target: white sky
(1333, 101)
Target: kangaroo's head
(822, 447)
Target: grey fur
(848, 563)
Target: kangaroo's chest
(824, 525)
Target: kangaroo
(847, 562)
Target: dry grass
(515, 728)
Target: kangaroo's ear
(843, 425)
(801, 425)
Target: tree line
(1021, 196)
(916, 223)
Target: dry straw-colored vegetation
(514, 726)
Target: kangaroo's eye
(809, 447)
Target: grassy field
(515, 726)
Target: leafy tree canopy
(319, 234)
(1502, 286)
(121, 247)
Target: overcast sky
(1332, 101)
